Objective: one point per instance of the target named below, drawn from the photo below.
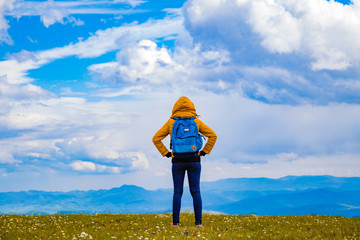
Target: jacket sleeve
(159, 136)
(209, 133)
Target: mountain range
(291, 195)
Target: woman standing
(184, 108)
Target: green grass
(157, 226)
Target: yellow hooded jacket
(184, 107)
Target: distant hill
(319, 201)
(294, 183)
(292, 195)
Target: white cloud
(116, 38)
(114, 92)
(133, 3)
(85, 166)
(254, 138)
(146, 64)
(76, 22)
(332, 59)
(21, 91)
(14, 94)
(148, 59)
(55, 131)
(271, 129)
(327, 32)
(280, 31)
(139, 160)
(7, 158)
(16, 72)
(142, 67)
(5, 5)
(52, 12)
(104, 148)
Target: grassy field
(157, 226)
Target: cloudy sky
(85, 84)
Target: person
(184, 107)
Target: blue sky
(84, 85)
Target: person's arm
(159, 136)
(209, 133)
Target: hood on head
(184, 107)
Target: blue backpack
(186, 140)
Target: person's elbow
(155, 139)
(214, 137)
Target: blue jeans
(178, 172)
